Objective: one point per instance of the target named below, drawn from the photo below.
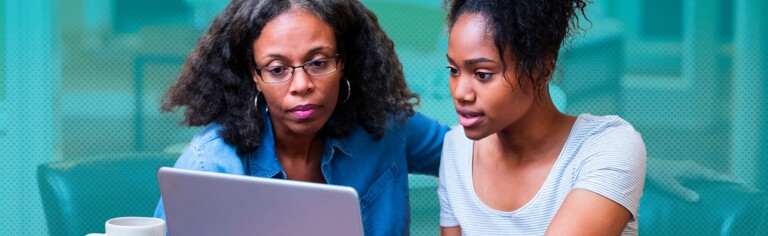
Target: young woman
(518, 166)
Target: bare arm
(450, 231)
(588, 213)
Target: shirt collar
(337, 143)
(263, 161)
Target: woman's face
(302, 104)
(485, 100)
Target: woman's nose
(463, 90)
(301, 82)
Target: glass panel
(2, 52)
(662, 19)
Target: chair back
(80, 195)
(723, 209)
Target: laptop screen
(206, 203)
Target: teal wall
(689, 75)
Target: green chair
(425, 206)
(724, 209)
(80, 195)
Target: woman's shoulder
(456, 135)
(207, 134)
(456, 143)
(415, 120)
(603, 127)
(207, 151)
(414, 126)
(608, 136)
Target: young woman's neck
(537, 132)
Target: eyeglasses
(317, 67)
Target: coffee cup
(133, 226)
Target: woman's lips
(304, 111)
(468, 118)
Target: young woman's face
(302, 103)
(485, 100)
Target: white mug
(133, 226)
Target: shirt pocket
(380, 185)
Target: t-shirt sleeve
(447, 174)
(614, 167)
(447, 219)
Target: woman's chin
(474, 133)
(307, 126)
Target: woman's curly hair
(216, 85)
(531, 30)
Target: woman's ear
(256, 78)
(258, 86)
(549, 68)
(256, 81)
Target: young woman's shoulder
(456, 146)
(608, 142)
(610, 160)
(606, 130)
(456, 137)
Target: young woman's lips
(304, 111)
(468, 118)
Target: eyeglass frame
(293, 69)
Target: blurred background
(83, 78)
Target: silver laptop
(205, 203)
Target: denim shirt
(377, 169)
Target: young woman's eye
(483, 75)
(453, 70)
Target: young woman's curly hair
(216, 84)
(531, 30)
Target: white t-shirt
(603, 154)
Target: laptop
(206, 203)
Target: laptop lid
(207, 203)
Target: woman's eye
(483, 75)
(278, 70)
(318, 63)
(453, 70)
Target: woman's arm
(449, 225)
(450, 231)
(206, 152)
(588, 213)
(424, 143)
(606, 194)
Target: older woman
(307, 90)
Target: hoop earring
(256, 101)
(349, 91)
